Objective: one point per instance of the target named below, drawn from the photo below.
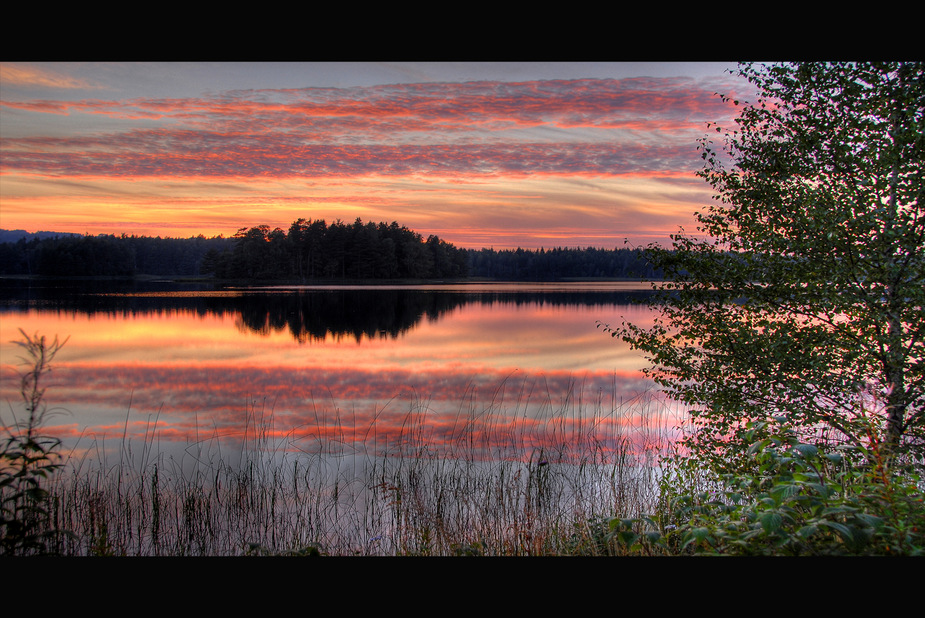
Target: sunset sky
(496, 155)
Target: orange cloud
(601, 158)
(18, 74)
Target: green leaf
(771, 522)
(843, 531)
(806, 450)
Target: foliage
(804, 298)
(27, 459)
(796, 501)
(802, 502)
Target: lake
(186, 371)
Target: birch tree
(800, 297)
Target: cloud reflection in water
(366, 369)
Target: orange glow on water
(484, 368)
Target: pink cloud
(469, 155)
(416, 128)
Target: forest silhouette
(309, 251)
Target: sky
(498, 155)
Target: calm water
(328, 368)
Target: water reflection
(307, 313)
(362, 369)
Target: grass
(499, 488)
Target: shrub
(27, 459)
(795, 501)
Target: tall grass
(493, 484)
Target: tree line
(310, 250)
(560, 263)
(70, 255)
(314, 249)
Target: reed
(497, 486)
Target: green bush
(794, 501)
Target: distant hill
(16, 235)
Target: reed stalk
(503, 486)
